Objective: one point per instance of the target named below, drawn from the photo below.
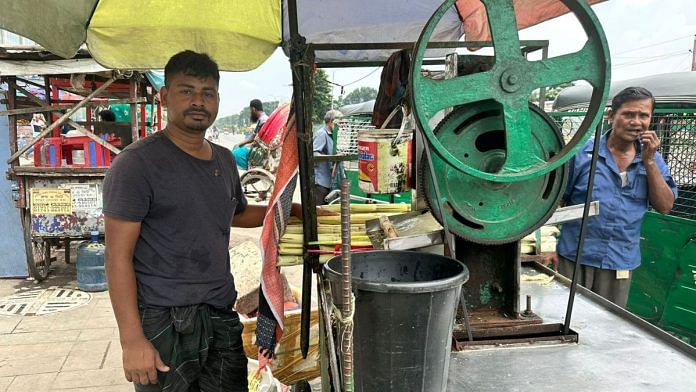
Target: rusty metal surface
(83, 216)
(615, 351)
(482, 319)
(519, 335)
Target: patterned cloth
(269, 325)
(201, 345)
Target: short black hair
(107, 115)
(256, 104)
(631, 94)
(190, 63)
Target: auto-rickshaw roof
(670, 87)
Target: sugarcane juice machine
(494, 168)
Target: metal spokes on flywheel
(510, 83)
(486, 211)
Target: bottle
(91, 275)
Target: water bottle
(91, 275)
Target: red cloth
(275, 222)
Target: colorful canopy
(240, 35)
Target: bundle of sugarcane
(329, 230)
(547, 241)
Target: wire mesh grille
(347, 138)
(677, 133)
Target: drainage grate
(44, 301)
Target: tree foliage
(321, 100)
(358, 95)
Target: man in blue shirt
(323, 145)
(631, 176)
(241, 150)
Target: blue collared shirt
(612, 239)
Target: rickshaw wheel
(257, 183)
(38, 252)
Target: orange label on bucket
(384, 163)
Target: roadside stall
(491, 172)
(59, 168)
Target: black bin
(405, 304)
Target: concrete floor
(73, 350)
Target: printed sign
(84, 196)
(51, 201)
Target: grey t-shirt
(185, 206)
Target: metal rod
(326, 313)
(583, 228)
(133, 90)
(347, 289)
(301, 95)
(47, 94)
(12, 121)
(409, 45)
(61, 120)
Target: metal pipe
(61, 119)
(347, 289)
(301, 95)
(409, 45)
(326, 313)
(583, 228)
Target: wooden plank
(61, 120)
(94, 137)
(58, 171)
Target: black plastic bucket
(405, 304)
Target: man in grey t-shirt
(169, 202)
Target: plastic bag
(262, 380)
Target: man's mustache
(196, 111)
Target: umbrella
(240, 35)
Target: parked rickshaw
(59, 172)
(264, 155)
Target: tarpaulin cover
(49, 67)
(372, 21)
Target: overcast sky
(646, 37)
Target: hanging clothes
(392, 89)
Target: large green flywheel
(484, 211)
(510, 82)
